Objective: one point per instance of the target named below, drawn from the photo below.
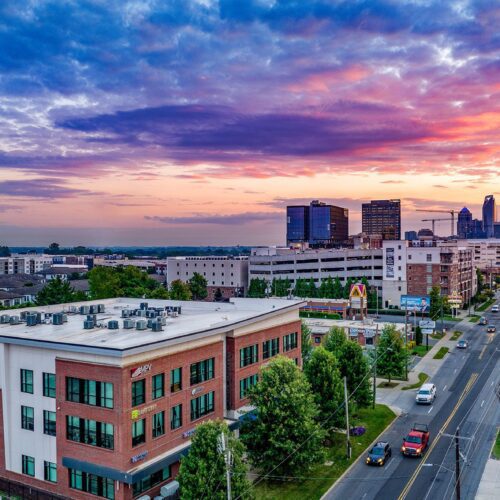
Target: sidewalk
(489, 487)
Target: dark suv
(379, 454)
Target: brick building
(102, 399)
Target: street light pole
(406, 341)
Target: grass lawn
(440, 354)
(485, 305)
(456, 335)
(449, 317)
(388, 385)
(420, 350)
(474, 318)
(496, 448)
(437, 335)
(321, 477)
(422, 377)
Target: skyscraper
(297, 224)
(411, 235)
(464, 223)
(489, 213)
(382, 217)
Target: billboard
(389, 263)
(415, 303)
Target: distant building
(477, 231)
(382, 217)
(411, 235)
(464, 223)
(297, 224)
(425, 233)
(25, 263)
(489, 216)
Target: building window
(27, 381)
(429, 257)
(158, 383)
(138, 392)
(49, 422)
(270, 348)
(49, 385)
(151, 481)
(89, 392)
(81, 430)
(202, 371)
(246, 384)
(249, 355)
(28, 465)
(27, 418)
(91, 483)
(290, 342)
(202, 406)
(158, 424)
(50, 472)
(176, 417)
(317, 340)
(176, 380)
(139, 432)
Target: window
(176, 380)
(151, 481)
(50, 472)
(202, 406)
(28, 465)
(270, 348)
(91, 483)
(49, 385)
(158, 382)
(290, 342)
(249, 355)
(27, 381)
(27, 418)
(159, 424)
(49, 422)
(176, 417)
(90, 432)
(246, 383)
(139, 432)
(89, 392)
(138, 392)
(202, 371)
(429, 257)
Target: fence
(18, 491)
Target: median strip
(441, 353)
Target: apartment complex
(486, 254)
(226, 277)
(102, 398)
(25, 263)
(382, 217)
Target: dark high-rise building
(382, 217)
(477, 229)
(297, 224)
(464, 223)
(489, 214)
(411, 235)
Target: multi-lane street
(467, 385)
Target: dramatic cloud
(46, 188)
(225, 220)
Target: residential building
(92, 400)
(486, 254)
(489, 216)
(464, 223)
(226, 276)
(382, 217)
(25, 263)
(411, 235)
(17, 289)
(147, 264)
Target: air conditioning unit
(88, 324)
(101, 308)
(4, 318)
(93, 309)
(141, 324)
(157, 326)
(143, 305)
(15, 320)
(169, 489)
(57, 319)
(65, 318)
(84, 309)
(31, 320)
(128, 324)
(113, 324)
(126, 313)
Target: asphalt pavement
(466, 383)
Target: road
(466, 385)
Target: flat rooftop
(195, 319)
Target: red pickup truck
(416, 442)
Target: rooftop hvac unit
(15, 320)
(157, 326)
(65, 318)
(140, 312)
(101, 308)
(57, 319)
(163, 320)
(128, 324)
(88, 324)
(84, 309)
(143, 305)
(169, 489)
(4, 318)
(31, 320)
(24, 314)
(93, 309)
(144, 497)
(126, 313)
(113, 324)
(47, 315)
(141, 324)
(73, 309)
(92, 317)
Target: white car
(494, 309)
(426, 394)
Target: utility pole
(375, 371)
(224, 449)
(457, 464)
(346, 402)
(406, 341)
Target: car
(462, 344)
(379, 454)
(494, 309)
(426, 394)
(491, 329)
(483, 321)
(416, 442)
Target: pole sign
(427, 324)
(415, 303)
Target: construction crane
(451, 212)
(434, 223)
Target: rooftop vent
(113, 324)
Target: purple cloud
(224, 220)
(45, 188)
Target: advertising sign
(427, 324)
(389, 263)
(415, 303)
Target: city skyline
(199, 122)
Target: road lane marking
(430, 409)
(482, 352)
(461, 399)
(492, 382)
(454, 371)
(482, 403)
(444, 388)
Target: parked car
(426, 394)
(462, 344)
(379, 454)
(416, 442)
(491, 329)
(483, 321)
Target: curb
(361, 454)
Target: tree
(326, 289)
(284, 436)
(158, 293)
(323, 374)
(203, 470)
(198, 287)
(53, 248)
(257, 288)
(57, 291)
(218, 297)
(347, 288)
(418, 335)
(280, 287)
(392, 355)
(337, 288)
(306, 343)
(480, 282)
(302, 288)
(436, 303)
(179, 290)
(104, 283)
(335, 340)
(355, 367)
(4, 251)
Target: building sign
(139, 457)
(366, 332)
(427, 324)
(455, 300)
(197, 390)
(415, 303)
(188, 434)
(139, 413)
(357, 296)
(389, 262)
(140, 370)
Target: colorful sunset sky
(176, 122)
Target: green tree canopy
(58, 291)
(179, 290)
(4, 251)
(436, 303)
(392, 355)
(306, 342)
(355, 367)
(202, 473)
(280, 287)
(257, 288)
(335, 340)
(284, 436)
(198, 287)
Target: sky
(153, 122)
